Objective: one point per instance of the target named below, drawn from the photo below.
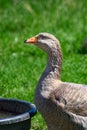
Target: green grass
(21, 65)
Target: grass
(22, 65)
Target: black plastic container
(16, 114)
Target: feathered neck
(54, 63)
(50, 76)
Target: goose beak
(32, 40)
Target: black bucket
(16, 114)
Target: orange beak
(32, 40)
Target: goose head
(47, 42)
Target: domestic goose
(63, 105)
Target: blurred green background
(21, 65)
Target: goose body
(63, 105)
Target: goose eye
(43, 37)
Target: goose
(63, 105)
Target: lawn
(21, 65)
